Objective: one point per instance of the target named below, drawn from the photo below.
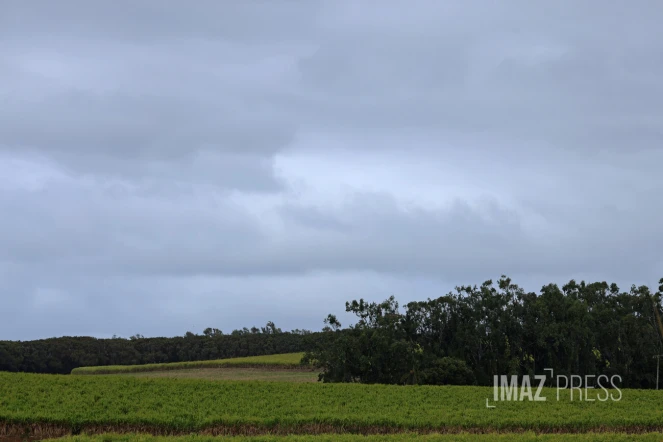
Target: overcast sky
(169, 166)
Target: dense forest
(61, 355)
(471, 334)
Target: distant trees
(211, 332)
(331, 323)
(469, 335)
(268, 329)
(61, 355)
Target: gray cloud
(224, 164)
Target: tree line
(475, 332)
(61, 355)
(464, 337)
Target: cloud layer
(165, 168)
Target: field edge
(283, 361)
(57, 430)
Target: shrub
(448, 371)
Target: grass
(281, 361)
(522, 437)
(232, 374)
(58, 404)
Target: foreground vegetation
(281, 361)
(56, 405)
(466, 437)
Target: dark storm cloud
(165, 166)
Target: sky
(171, 166)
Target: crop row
(284, 361)
(465, 437)
(178, 406)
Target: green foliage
(448, 371)
(182, 405)
(578, 329)
(209, 331)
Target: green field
(281, 361)
(523, 437)
(232, 374)
(59, 404)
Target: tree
(211, 332)
(582, 328)
(270, 328)
(331, 323)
